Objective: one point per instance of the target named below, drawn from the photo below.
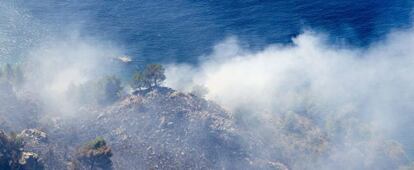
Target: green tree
(152, 76)
(96, 154)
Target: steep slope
(157, 129)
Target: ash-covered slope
(159, 129)
(165, 129)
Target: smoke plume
(372, 86)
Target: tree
(109, 90)
(95, 155)
(152, 76)
(139, 81)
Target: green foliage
(154, 73)
(95, 154)
(152, 76)
(97, 143)
(139, 80)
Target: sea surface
(183, 30)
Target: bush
(95, 155)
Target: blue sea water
(182, 30)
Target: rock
(33, 135)
(277, 166)
(30, 161)
(28, 158)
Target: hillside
(166, 129)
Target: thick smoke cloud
(375, 81)
(374, 86)
(54, 57)
(56, 65)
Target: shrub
(95, 155)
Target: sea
(182, 30)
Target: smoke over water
(56, 65)
(53, 57)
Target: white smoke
(375, 84)
(57, 64)
(53, 61)
(377, 80)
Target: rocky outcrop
(30, 161)
(34, 136)
(13, 155)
